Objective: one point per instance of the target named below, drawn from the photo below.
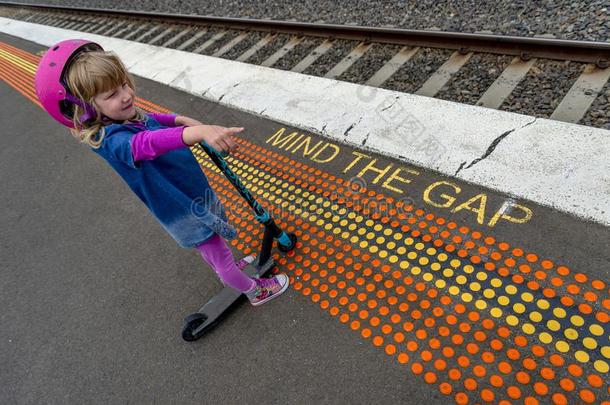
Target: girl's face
(117, 103)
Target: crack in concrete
(351, 127)
(366, 138)
(391, 105)
(491, 147)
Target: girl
(90, 91)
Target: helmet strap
(89, 110)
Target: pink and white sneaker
(267, 289)
(242, 263)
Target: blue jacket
(172, 186)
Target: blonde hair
(90, 74)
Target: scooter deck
(222, 301)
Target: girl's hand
(219, 138)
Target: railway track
(557, 79)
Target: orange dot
(567, 384)
(430, 377)
(520, 341)
(445, 388)
(403, 358)
(530, 401)
(504, 367)
(595, 381)
(487, 357)
(556, 360)
(412, 346)
(538, 350)
(417, 368)
(470, 384)
(523, 377)
(479, 371)
(513, 354)
(390, 350)
(455, 374)
(547, 373)
(529, 364)
(587, 396)
(426, 355)
(563, 270)
(463, 361)
(541, 388)
(440, 364)
(461, 398)
(513, 392)
(496, 381)
(487, 395)
(575, 370)
(559, 399)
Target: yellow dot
(577, 320)
(553, 325)
(370, 235)
(461, 279)
(440, 283)
(519, 308)
(435, 266)
(601, 366)
(383, 254)
(589, 343)
(393, 259)
(596, 329)
(380, 240)
(528, 328)
(415, 270)
(571, 334)
(442, 257)
(480, 304)
(453, 290)
(419, 246)
(404, 265)
(455, 263)
(412, 255)
(409, 241)
(481, 276)
(496, 282)
(377, 227)
(581, 356)
(535, 316)
(543, 304)
(527, 297)
(468, 269)
(512, 320)
(431, 251)
(503, 300)
(496, 312)
(489, 293)
(559, 312)
(354, 239)
(448, 273)
(398, 236)
(606, 351)
(511, 289)
(562, 346)
(466, 297)
(387, 232)
(423, 261)
(475, 286)
(401, 250)
(373, 249)
(364, 244)
(545, 338)
(391, 245)
(428, 277)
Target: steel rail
(524, 47)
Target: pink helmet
(51, 87)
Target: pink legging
(218, 255)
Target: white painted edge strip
(560, 165)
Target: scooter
(210, 314)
